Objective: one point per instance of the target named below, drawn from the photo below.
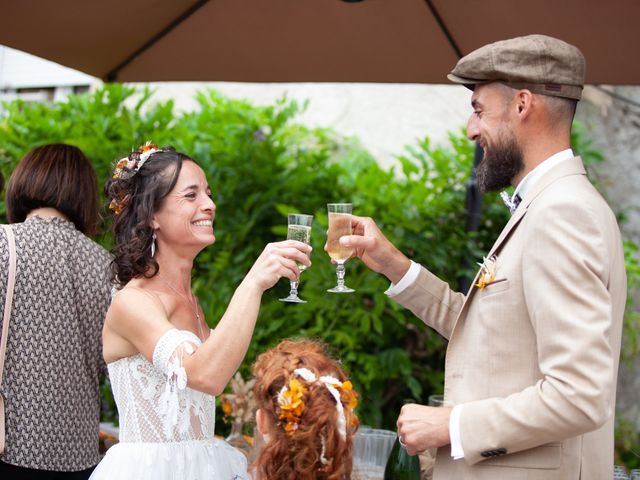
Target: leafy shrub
(261, 166)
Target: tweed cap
(542, 64)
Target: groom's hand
(421, 427)
(375, 250)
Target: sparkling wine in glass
(339, 225)
(299, 229)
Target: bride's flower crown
(127, 167)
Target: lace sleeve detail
(167, 357)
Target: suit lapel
(573, 166)
(511, 224)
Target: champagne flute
(339, 225)
(299, 229)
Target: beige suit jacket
(533, 357)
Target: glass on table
(299, 228)
(371, 448)
(619, 473)
(339, 226)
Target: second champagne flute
(299, 229)
(339, 225)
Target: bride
(165, 365)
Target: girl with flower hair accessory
(305, 414)
(165, 364)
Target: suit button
(485, 454)
(501, 451)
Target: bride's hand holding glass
(277, 260)
(299, 228)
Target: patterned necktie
(511, 202)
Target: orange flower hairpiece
(131, 164)
(127, 167)
(291, 402)
(348, 395)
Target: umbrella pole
(473, 207)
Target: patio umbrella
(415, 41)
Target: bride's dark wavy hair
(136, 197)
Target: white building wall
(385, 117)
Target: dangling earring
(153, 244)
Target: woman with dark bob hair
(165, 364)
(62, 292)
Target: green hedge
(262, 165)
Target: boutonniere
(487, 272)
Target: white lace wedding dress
(166, 429)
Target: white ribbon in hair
(144, 156)
(328, 382)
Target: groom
(532, 359)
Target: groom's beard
(500, 164)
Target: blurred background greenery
(261, 165)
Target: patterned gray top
(54, 349)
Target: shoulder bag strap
(11, 281)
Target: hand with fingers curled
(421, 427)
(277, 260)
(375, 250)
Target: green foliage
(627, 443)
(105, 125)
(261, 166)
(631, 330)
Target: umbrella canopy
(416, 41)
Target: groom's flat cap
(539, 63)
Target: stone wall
(614, 125)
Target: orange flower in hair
(115, 206)
(291, 404)
(147, 146)
(118, 168)
(348, 395)
(128, 167)
(134, 161)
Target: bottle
(401, 465)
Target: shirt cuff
(454, 433)
(406, 281)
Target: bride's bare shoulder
(134, 302)
(134, 322)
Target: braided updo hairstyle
(135, 195)
(316, 449)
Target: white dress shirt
(524, 187)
